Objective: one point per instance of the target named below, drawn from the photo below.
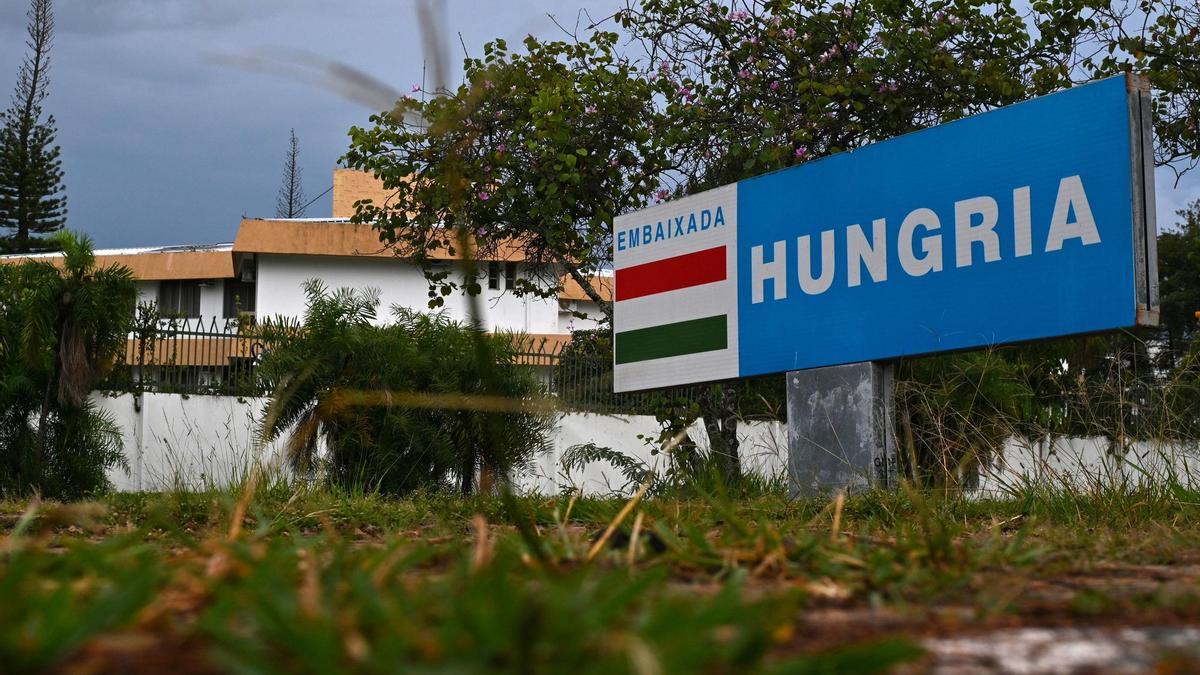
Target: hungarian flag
(676, 292)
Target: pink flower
(685, 91)
(662, 194)
(499, 114)
(502, 148)
(591, 110)
(744, 74)
(487, 84)
(776, 20)
(614, 162)
(487, 169)
(887, 87)
(851, 46)
(789, 33)
(416, 88)
(775, 86)
(483, 196)
(801, 152)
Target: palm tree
(64, 322)
(387, 402)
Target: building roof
(571, 289)
(156, 263)
(330, 236)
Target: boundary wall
(176, 441)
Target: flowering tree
(537, 151)
(757, 85)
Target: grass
(317, 581)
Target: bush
(401, 406)
(60, 329)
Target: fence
(581, 378)
(189, 356)
(219, 357)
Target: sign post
(1027, 222)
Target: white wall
(281, 279)
(193, 442)
(762, 451)
(1088, 463)
(197, 442)
(568, 322)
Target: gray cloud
(173, 115)
(115, 17)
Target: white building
(263, 271)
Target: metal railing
(189, 356)
(200, 356)
(584, 383)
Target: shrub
(400, 406)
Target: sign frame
(647, 357)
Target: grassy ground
(311, 581)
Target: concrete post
(841, 432)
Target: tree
(535, 151)
(290, 202)
(762, 84)
(31, 192)
(1179, 283)
(62, 327)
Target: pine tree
(32, 200)
(290, 203)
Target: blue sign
(1031, 221)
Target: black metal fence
(189, 356)
(219, 357)
(584, 381)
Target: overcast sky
(165, 140)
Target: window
(510, 275)
(494, 275)
(239, 298)
(179, 298)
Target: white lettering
(804, 264)
(1071, 199)
(1022, 234)
(873, 254)
(776, 271)
(967, 233)
(931, 245)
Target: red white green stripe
(676, 298)
(671, 274)
(673, 339)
